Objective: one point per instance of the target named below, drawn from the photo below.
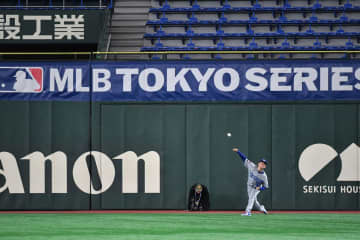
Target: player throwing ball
(257, 181)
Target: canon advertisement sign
(80, 171)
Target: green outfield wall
(103, 155)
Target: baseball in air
(228, 134)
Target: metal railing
(104, 55)
(108, 45)
(177, 52)
(227, 52)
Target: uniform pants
(252, 194)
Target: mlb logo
(21, 79)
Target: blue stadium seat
(316, 5)
(249, 31)
(344, 18)
(217, 57)
(311, 13)
(160, 32)
(158, 44)
(250, 56)
(281, 56)
(192, 18)
(253, 18)
(186, 57)
(155, 57)
(190, 44)
(340, 30)
(190, 32)
(163, 17)
(279, 30)
(349, 44)
(256, 5)
(195, 6)
(219, 31)
(220, 45)
(345, 56)
(347, 4)
(226, 5)
(283, 18)
(285, 44)
(166, 5)
(309, 30)
(286, 4)
(253, 45)
(313, 18)
(317, 44)
(222, 18)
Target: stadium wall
(72, 154)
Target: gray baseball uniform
(255, 179)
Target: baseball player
(257, 181)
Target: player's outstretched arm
(242, 156)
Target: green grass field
(178, 226)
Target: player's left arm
(241, 155)
(246, 161)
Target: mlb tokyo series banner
(181, 81)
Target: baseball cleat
(264, 210)
(248, 214)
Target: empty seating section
(55, 3)
(253, 25)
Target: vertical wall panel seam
(28, 127)
(124, 124)
(247, 130)
(334, 143)
(90, 125)
(271, 151)
(163, 153)
(296, 163)
(186, 153)
(357, 143)
(100, 143)
(209, 108)
(51, 126)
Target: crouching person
(198, 198)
